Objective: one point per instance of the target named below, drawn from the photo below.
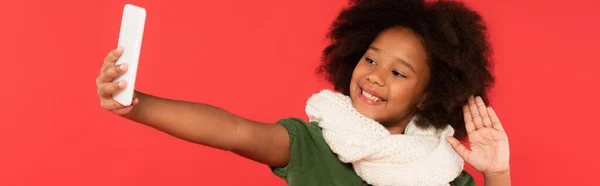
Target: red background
(256, 59)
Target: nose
(376, 77)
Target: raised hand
(489, 149)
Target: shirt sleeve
(464, 179)
(303, 149)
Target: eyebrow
(396, 58)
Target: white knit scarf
(419, 157)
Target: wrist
(503, 176)
(134, 111)
(497, 174)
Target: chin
(367, 112)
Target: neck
(398, 126)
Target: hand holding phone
(130, 38)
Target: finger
(494, 118)
(463, 151)
(111, 104)
(127, 109)
(483, 112)
(111, 72)
(108, 89)
(112, 56)
(468, 119)
(475, 113)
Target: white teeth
(371, 97)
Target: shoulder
(306, 142)
(464, 179)
(299, 127)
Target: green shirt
(312, 163)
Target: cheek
(356, 75)
(359, 72)
(402, 94)
(353, 82)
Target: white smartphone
(130, 38)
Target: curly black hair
(456, 42)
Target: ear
(420, 105)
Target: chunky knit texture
(419, 157)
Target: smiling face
(389, 81)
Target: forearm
(502, 179)
(195, 122)
(214, 127)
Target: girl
(403, 71)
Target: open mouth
(370, 97)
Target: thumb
(459, 147)
(128, 109)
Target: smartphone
(130, 38)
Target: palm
(489, 149)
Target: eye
(370, 61)
(398, 74)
